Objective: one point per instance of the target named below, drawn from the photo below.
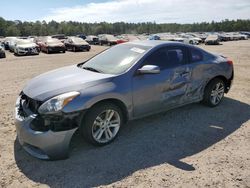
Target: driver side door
(153, 93)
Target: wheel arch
(226, 81)
(116, 102)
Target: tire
(96, 130)
(214, 92)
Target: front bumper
(43, 144)
(28, 51)
(83, 47)
(2, 54)
(56, 49)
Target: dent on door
(176, 91)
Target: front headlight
(57, 103)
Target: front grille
(29, 103)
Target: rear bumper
(229, 82)
(42, 144)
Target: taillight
(230, 62)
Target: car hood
(55, 44)
(62, 80)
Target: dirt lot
(193, 146)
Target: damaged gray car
(125, 82)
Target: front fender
(98, 93)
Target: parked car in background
(76, 44)
(2, 51)
(9, 43)
(38, 41)
(125, 82)
(121, 39)
(154, 37)
(245, 33)
(25, 47)
(60, 37)
(106, 39)
(49, 45)
(190, 41)
(130, 37)
(92, 39)
(82, 36)
(212, 40)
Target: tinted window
(196, 55)
(167, 58)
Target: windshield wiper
(91, 69)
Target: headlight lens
(57, 103)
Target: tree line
(43, 28)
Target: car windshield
(52, 40)
(117, 59)
(20, 42)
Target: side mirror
(149, 69)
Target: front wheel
(102, 123)
(214, 92)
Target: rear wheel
(102, 123)
(214, 92)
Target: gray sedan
(125, 82)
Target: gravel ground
(192, 146)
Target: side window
(196, 55)
(175, 57)
(158, 58)
(167, 58)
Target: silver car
(125, 82)
(25, 47)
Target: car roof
(154, 43)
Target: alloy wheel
(217, 93)
(106, 126)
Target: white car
(9, 43)
(25, 47)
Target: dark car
(109, 40)
(2, 52)
(82, 36)
(49, 45)
(91, 39)
(127, 81)
(76, 44)
(60, 37)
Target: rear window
(196, 55)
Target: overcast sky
(160, 11)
